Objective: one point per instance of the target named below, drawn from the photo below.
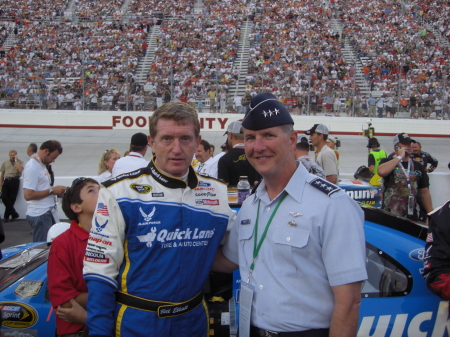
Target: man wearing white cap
(298, 240)
(318, 135)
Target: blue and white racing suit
(153, 237)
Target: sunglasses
(75, 183)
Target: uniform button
(268, 208)
(288, 239)
(261, 286)
(261, 314)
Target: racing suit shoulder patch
(324, 186)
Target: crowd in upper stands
(294, 52)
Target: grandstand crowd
(83, 54)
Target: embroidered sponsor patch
(430, 237)
(102, 209)
(95, 260)
(158, 194)
(245, 222)
(203, 184)
(208, 202)
(141, 189)
(99, 227)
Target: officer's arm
(222, 264)
(426, 199)
(344, 320)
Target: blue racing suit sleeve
(100, 308)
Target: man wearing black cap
(291, 238)
(326, 158)
(404, 180)
(375, 155)
(235, 164)
(135, 159)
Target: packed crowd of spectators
(32, 10)
(403, 54)
(294, 53)
(436, 12)
(69, 59)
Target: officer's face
(270, 150)
(174, 146)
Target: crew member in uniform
(11, 170)
(154, 236)
(298, 239)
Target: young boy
(67, 289)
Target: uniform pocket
(291, 247)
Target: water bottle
(243, 188)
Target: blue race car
(395, 300)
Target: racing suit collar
(172, 182)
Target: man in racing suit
(437, 252)
(154, 237)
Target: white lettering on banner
(441, 324)
(360, 194)
(206, 123)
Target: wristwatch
(50, 192)
(400, 157)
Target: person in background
(326, 158)
(11, 171)
(213, 148)
(301, 152)
(31, 150)
(314, 245)
(66, 286)
(41, 208)
(135, 158)
(404, 180)
(423, 157)
(207, 166)
(375, 155)
(436, 262)
(331, 142)
(106, 164)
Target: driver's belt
(164, 309)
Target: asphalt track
(82, 149)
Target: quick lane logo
(148, 217)
(167, 239)
(17, 315)
(437, 325)
(141, 189)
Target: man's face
(416, 148)
(174, 146)
(201, 154)
(315, 138)
(330, 145)
(12, 156)
(407, 148)
(49, 157)
(269, 150)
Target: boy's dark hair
(72, 196)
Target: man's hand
(58, 190)
(74, 314)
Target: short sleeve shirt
(328, 161)
(315, 241)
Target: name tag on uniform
(245, 222)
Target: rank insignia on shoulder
(324, 186)
(245, 222)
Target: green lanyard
(257, 245)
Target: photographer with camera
(404, 180)
(11, 171)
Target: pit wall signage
(142, 122)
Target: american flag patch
(430, 237)
(102, 209)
